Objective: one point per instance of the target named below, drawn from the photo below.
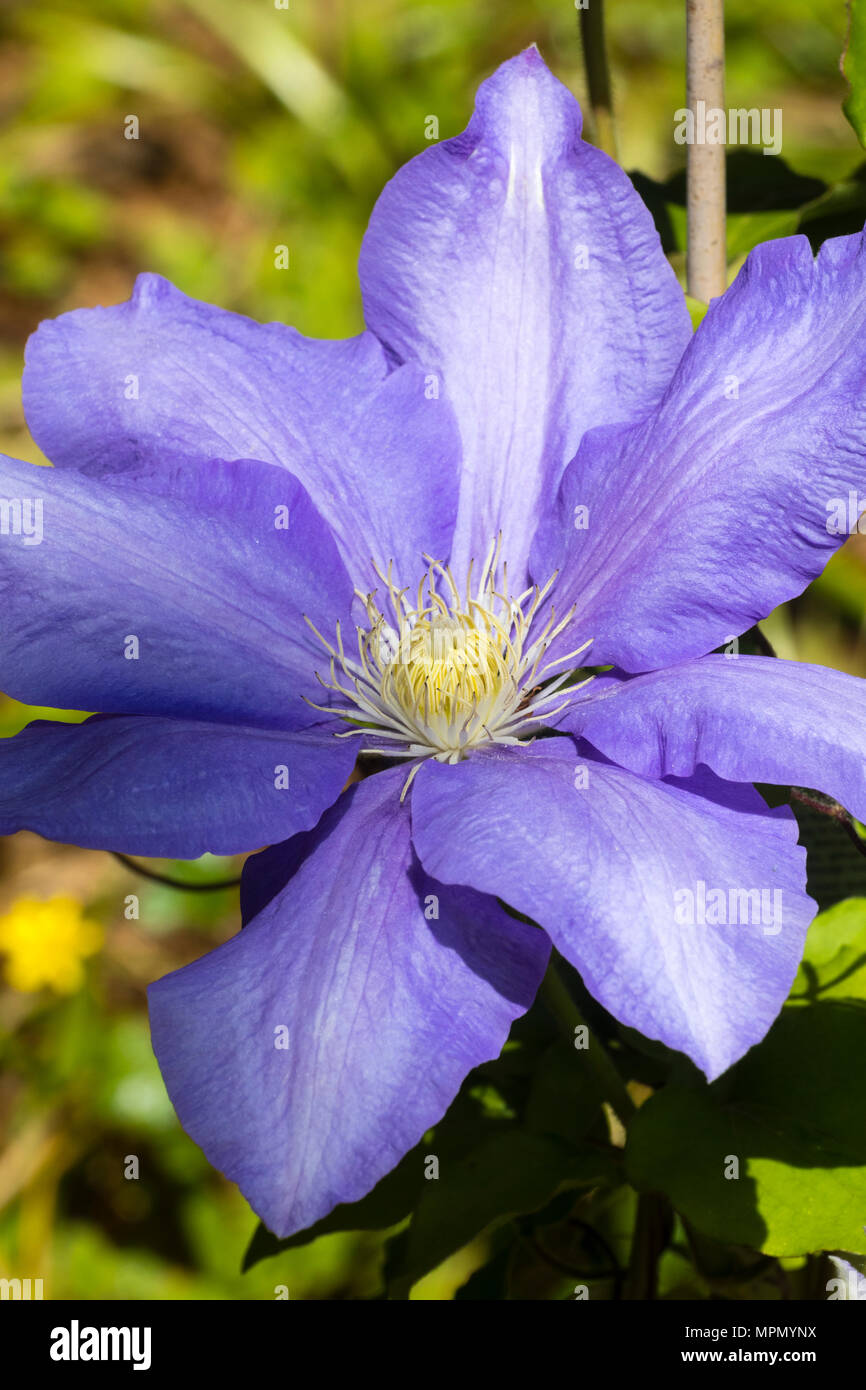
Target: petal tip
(150, 287)
(524, 95)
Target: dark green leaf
(513, 1172)
(563, 1101)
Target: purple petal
(166, 379)
(207, 581)
(607, 863)
(386, 1010)
(168, 787)
(519, 263)
(749, 718)
(725, 502)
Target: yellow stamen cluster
(451, 671)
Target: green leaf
(748, 229)
(790, 1113)
(563, 1101)
(490, 1282)
(834, 961)
(513, 1172)
(854, 68)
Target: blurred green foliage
(257, 128)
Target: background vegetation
(261, 127)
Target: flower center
(447, 667)
(451, 671)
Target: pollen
(45, 944)
(440, 671)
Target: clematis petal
(192, 604)
(749, 718)
(725, 501)
(382, 1013)
(168, 787)
(167, 379)
(519, 263)
(613, 866)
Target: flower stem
(651, 1234)
(598, 75)
(128, 863)
(610, 1085)
(706, 261)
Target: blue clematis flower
(260, 553)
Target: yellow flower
(45, 943)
